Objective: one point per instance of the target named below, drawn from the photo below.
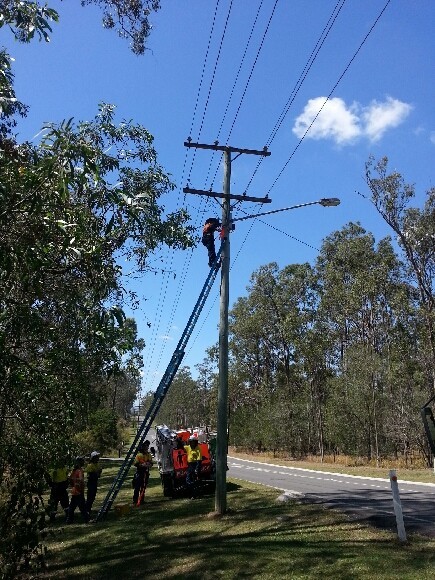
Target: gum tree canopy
(71, 206)
(130, 18)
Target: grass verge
(258, 538)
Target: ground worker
(194, 457)
(57, 479)
(143, 463)
(77, 483)
(210, 227)
(93, 471)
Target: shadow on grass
(258, 537)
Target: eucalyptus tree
(130, 19)
(124, 379)
(415, 231)
(71, 206)
(277, 312)
(208, 381)
(185, 404)
(268, 332)
(362, 297)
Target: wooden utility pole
(222, 411)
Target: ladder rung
(161, 390)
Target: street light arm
(325, 202)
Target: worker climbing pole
(161, 391)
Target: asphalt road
(363, 498)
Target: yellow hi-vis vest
(58, 475)
(193, 454)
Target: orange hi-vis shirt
(210, 228)
(77, 480)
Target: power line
(330, 94)
(203, 66)
(184, 274)
(211, 83)
(280, 120)
(321, 40)
(252, 70)
(249, 80)
(314, 53)
(235, 83)
(163, 288)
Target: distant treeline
(337, 357)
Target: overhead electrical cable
(237, 75)
(200, 84)
(247, 82)
(201, 209)
(211, 84)
(330, 94)
(282, 116)
(163, 288)
(155, 326)
(281, 119)
(325, 32)
(240, 67)
(252, 70)
(187, 262)
(235, 82)
(314, 53)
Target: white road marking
(342, 476)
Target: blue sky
(381, 96)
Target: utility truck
(172, 459)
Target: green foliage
(103, 433)
(26, 18)
(186, 403)
(10, 106)
(29, 18)
(70, 207)
(22, 514)
(22, 529)
(415, 230)
(130, 19)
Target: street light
(325, 202)
(222, 411)
(329, 201)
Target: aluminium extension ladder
(161, 391)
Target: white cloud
(335, 120)
(432, 137)
(342, 123)
(379, 117)
(165, 337)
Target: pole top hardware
(243, 197)
(227, 148)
